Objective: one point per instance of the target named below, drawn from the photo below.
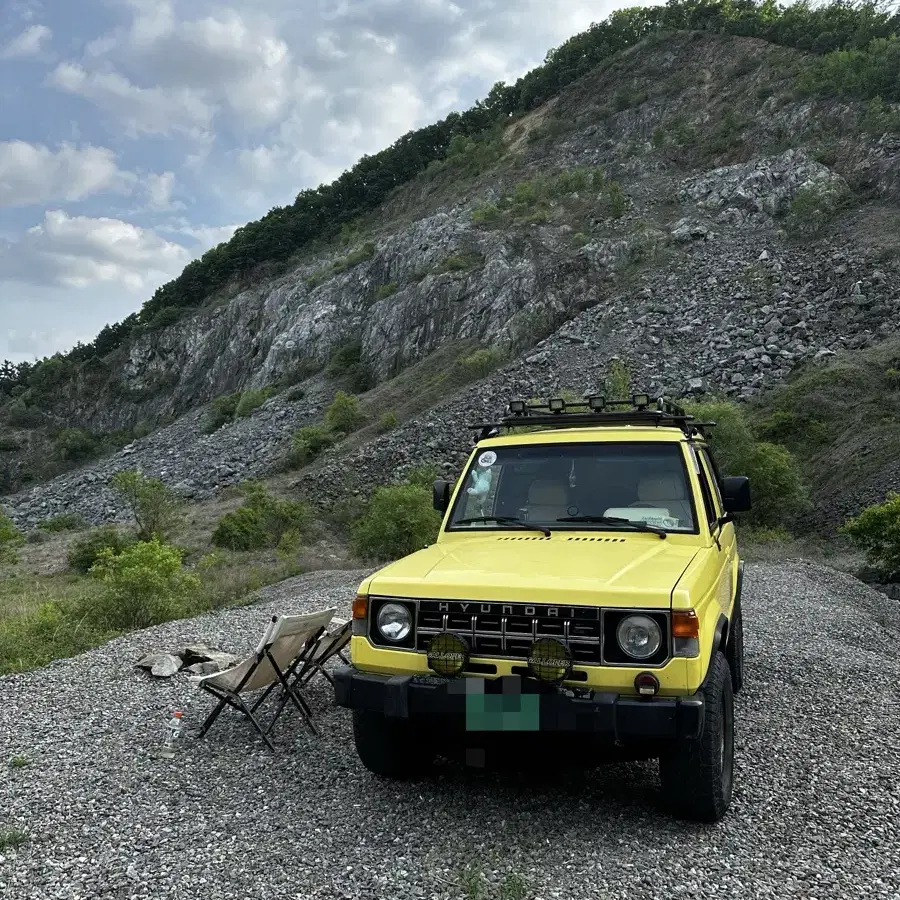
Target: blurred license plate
(503, 712)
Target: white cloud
(141, 110)
(34, 174)
(77, 251)
(29, 43)
(159, 192)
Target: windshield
(551, 483)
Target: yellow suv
(585, 584)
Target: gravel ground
(815, 813)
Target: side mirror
(441, 495)
(736, 493)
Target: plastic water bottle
(173, 732)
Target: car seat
(547, 500)
(665, 491)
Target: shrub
(75, 444)
(399, 520)
(10, 538)
(261, 522)
(346, 364)
(306, 445)
(617, 384)
(776, 487)
(20, 415)
(9, 445)
(815, 205)
(344, 415)
(222, 411)
(480, 363)
(251, 400)
(156, 508)
(423, 476)
(489, 215)
(387, 422)
(64, 522)
(876, 531)
(460, 262)
(144, 585)
(385, 290)
(84, 551)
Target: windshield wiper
(616, 520)
(505, 520)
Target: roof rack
(595, 410)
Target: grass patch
(19, 762)
(12, 838)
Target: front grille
(509, 629)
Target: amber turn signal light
(685, 624)
(360, 606)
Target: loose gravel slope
(815, 813)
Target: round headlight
(639, 636)
(394, 621)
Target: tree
(156, 508)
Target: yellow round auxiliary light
(448, 654)
(549, 660)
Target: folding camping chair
(327, 645)
(286, 644)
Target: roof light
(596, 402)
(642, 401)
(517, 407)
(557, 404)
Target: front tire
(736, 650)
(698, 775)
(391, 748)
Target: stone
(160, 664)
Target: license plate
(503, 712)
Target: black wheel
(736, 650)
(698, 775)
(391, 748)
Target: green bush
(461, 262)
(617, 384)
(776, 486)
(814, 206)
(84, 551)
(10, 539)
(144, 585)
(64, 522)
(262, 521)
(876, 531)
(156, 508)
(480, 363)
(346, 365)
(388, 422)
(222, 411)
(75, 444)
(9, 445)
(344, 415)
(399, 520)
(777, 489)
(20, 415)
(384, 291)
(306, 445)
(251, 400)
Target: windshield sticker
(487, 459)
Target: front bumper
(512, 703)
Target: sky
(137, 134)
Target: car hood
(638, 570)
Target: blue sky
(136, 134)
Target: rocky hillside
(678, 208)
